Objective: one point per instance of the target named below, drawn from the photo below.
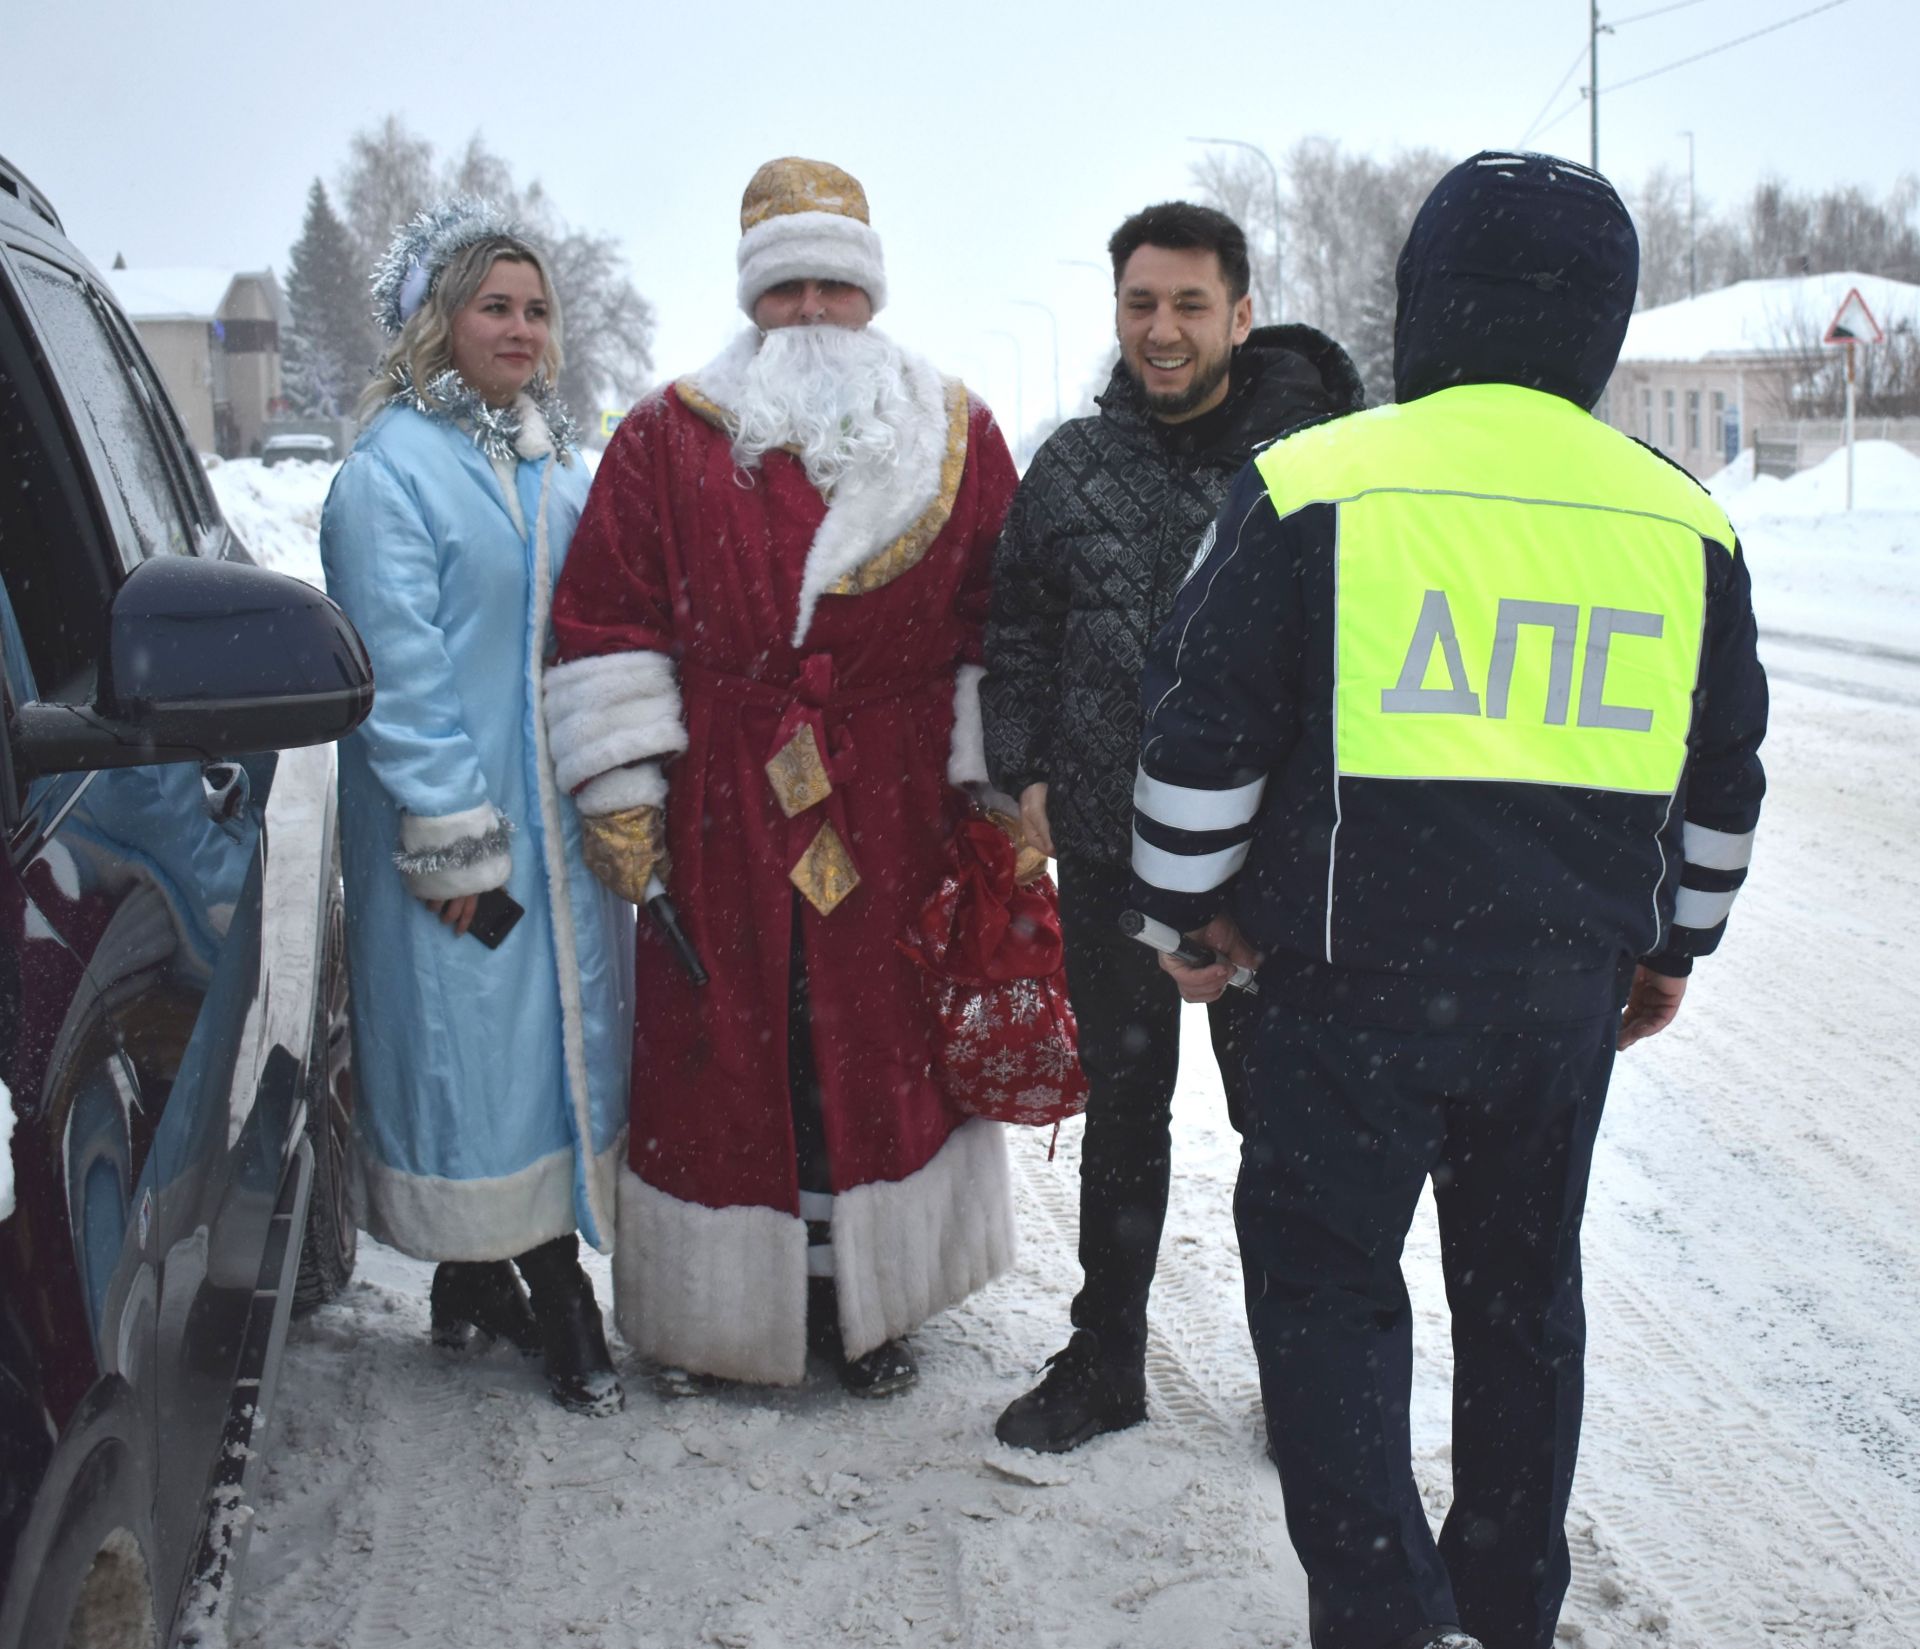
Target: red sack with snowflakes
(991, 952)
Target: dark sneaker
(1080, 1398)
(882, 1372)
(1444, 1637)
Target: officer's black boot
(579, 1370)
(1083, 1395)
(486, 1296)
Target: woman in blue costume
(492, 1083)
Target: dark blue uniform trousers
(1344, 1123)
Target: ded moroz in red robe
(724, 615)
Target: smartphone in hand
(494, 914)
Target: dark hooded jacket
(1099, 537)
(1452, 896)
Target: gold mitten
(1029, 862)
(625, 850)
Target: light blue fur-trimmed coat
(491, 1084)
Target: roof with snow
(181, 294)
(1757, 318)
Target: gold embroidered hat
(802, 218)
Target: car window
(193, 483)
(81, 345)
(54, 561)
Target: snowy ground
(1751, 1470)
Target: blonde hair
(424, 348)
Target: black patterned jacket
(1095, 547)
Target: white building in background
(1704, 378)
(214, 335)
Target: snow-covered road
(1751, 1470)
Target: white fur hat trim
(821, 245)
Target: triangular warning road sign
(1855, 323)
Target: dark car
(172, 987)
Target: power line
(1724, 46)
(1557, 90)
(1658, 11)
(1562, 115)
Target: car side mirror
(205, 659)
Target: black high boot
(888, 1368)
(483, 1296)
(579, 1370)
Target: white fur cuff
(608, 712)
(967, 756)
(449, 855)
(625, 788)
(821, 245)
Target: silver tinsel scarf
(494, 429)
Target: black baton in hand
(1171, 942)
(660, 908)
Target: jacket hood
(1520, 269)
(1281, 377)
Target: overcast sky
(997, 140)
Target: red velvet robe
(681, 553)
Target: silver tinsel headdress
(423, 248)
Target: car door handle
(223, 791)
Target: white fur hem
(715, 1290)
(967, 756)
(477, 1219)
(610, 711)
(723, 1290)
(449, 855)
(906, 1249)
(821, 245)
(535, 440)
(625, 788)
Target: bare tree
(391, 174)
(1236, 183)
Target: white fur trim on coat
(825, 246)
(477, 1219)
(724, 1290)
(608, 712)
(967, 756)
(625, 788)
(535, 439)
(449, 855)
(905, 1249)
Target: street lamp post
(1019, 384)
(1273, 174)
(1693, 239)
(1053, 326)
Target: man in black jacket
(1458, 725)
(1102, 532)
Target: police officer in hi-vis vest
(1455, 726)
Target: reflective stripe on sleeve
(1716, 849)
(1695, 909)
(1185, 872)
(1185, 808)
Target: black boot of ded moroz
(482, 1296)
(579, 1370)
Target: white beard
(837, 396)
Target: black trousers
(1344, 1124)
(1129, 1019)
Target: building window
(1671, 402)
(248, 337)
(1719, 426)
(1646, 416)
(1693, 420)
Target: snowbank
(1821, 571)
(6, 1152)
(1886, 478)
(275, 511)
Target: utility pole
(1693, 238)
(1019, 385)
(1273, 174)
(1593, 83)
